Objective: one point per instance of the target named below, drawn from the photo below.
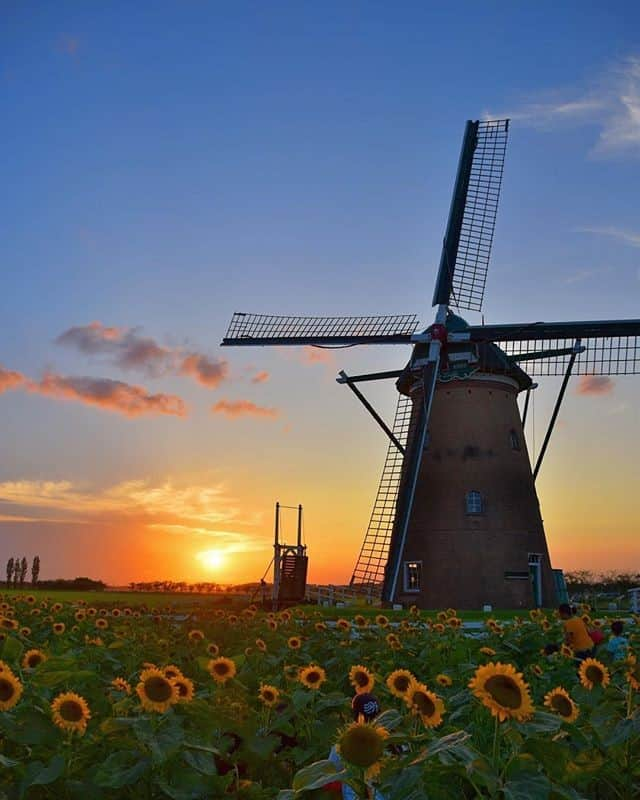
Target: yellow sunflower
(633, 673)
(102, 623)
(272, 624)
(443, 680)
(566, 651)
(361, 679)
(399, 682)
(382, 621)
(343, 625)
(320, 626)
(285, 616)
(294, 642)
(213, 649)
(156, 692)
(196, 635)
(502, 690)
(442, 615)
(70, 712)
(261, 645)
(537, 670)
(58, 628)
(426, 704)
(172, 672)
(121, 685)
(360, 621)
(222, 669)
(558, 700)
(362, 744)
(185, 688)
(232, 619)
(32, 658)
(438, 627)
(268, 694)
(312, 677)
(487, 651)
(25, 631)
(454, 622)
(80, 615)
(414, 611)
(10, 690)
(30, 599)
(593, 673)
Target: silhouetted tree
(16, 570)
(35, 570)
(9, 571)
(24, 566)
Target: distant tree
(24, 566)
(16, 570)
(35, 570)
(9, 571)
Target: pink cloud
(121, 398)
(206, 371)
(243, 408)
(10, 379)
(317, 355)
(595, 384)
(260, 377)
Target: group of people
(584, 642)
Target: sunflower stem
(495, 743)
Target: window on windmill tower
(474, 503)
(514, 440)
(412, 576)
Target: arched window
(474, 503)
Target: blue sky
(165, 164)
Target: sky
(166, 164)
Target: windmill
(456, 520)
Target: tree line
(17, 569)
(583, 581)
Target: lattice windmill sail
(456, 519)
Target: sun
(212, 559)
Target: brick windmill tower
(456, 520)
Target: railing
(332, 595)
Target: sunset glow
(212, 559)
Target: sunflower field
(116, 702)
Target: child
(576, 634)
(617, 644)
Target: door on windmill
(535, 574)
(412, 576)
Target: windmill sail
(368, 573)
(472, 218)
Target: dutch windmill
(456, 520)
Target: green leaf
(12, 649)
(201, 762)
(389, 719)
(120, 769)
(316, 775)
(8, 762)
(286, 794)
(541, 722)
(50, 679)
(443, 744)
(527, 787)
(39, 774)
(262, 746)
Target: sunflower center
(361, 745)
(313, 677)
(401, 683)
(361, 678)
(34, 659)
(504, 691)
(221, 668)
(424, 704)
(268, 695)
(6, 690)
(158, 689)
(71, 711)
(594, 674)
(560, 704)
(182, 689)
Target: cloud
(224, 541)
(127, 349)
(628, 237)
(121, 398)
(580, 275)
(204, 370)
(317, 355)
(243, 408)
(595, 384)
(10, 379)
(611, 102)
(260, 377)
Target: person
(365, 707)
(576, 633)
(617, 644)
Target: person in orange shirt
(576, 634)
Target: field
(103, 698)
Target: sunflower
(399, 682)
(172, 672)
(213, 649)
(272, 625)
(545, 625)
(268, 694)
(343, 625)
(115, 612)
(487, 651)
(362, 744)
(232, 619)
(32, 658)
(312, 677)
(58, 628)
(294, 642)
(9, 624)
(438, 627)
(442, 615)
(248, 651)
(360, 621)
(30, 599)
(537, 670)
(633, 673)
(593, 673)
(558, 700)
(121, 685)
(70, 712)
(361, 679)
(35, 612)
(91, 612)
(285, 616)
(320, 626)
(185, 688)
(566, 651)
(56, 607)
(102, 623)
(414, 611)
(502, 690)
(196, 636)
(80, 615)
(393, 641)
(382, 621)
(156, 692)
(26, 632)
(222, 669)
(443, 680)
(426, 704)
(454, 622)
(10, 689)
